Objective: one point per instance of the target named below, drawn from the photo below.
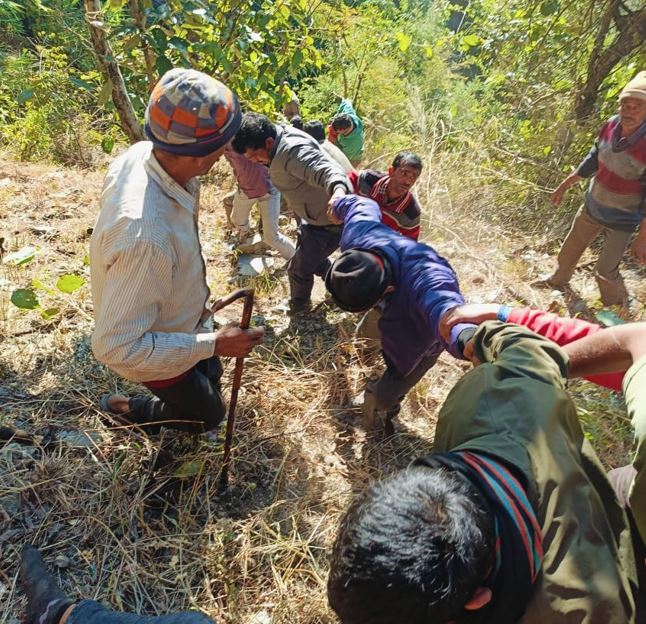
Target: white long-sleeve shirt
(151, 300)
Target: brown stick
(247, 293)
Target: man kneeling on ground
(151, 300)
(511, 519)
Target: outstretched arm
(613, 349)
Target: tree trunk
(110, 70)
(632, 32)
(138, 14)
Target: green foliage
(27, 299)
(48, 110)
(252, 47)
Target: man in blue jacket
(412, 286)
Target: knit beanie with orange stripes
(191, 114)
(636, 88)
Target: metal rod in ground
(247, 293)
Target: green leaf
(25, 299)
(107, 144)
(179, 44)
(69, 283)
(162, 65)
(25, 95)
(550, 7)
(471, 40)
(86, 260)
(82, 84)
(105, 94)
(22, 256)
(188, 469)
(50, 313)
(403, 41)
(161, 41)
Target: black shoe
(296, 306)
(46, 603)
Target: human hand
(557, 195)
(232, 341)
(639, 248)
(475, 313)
(469, 353)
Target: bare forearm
(613, 349)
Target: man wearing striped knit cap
(616, 198)
(154, 324)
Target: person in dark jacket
(308, 180)
(413, 287)
(510, 520)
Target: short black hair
(341, 122)
(413, 548)
(253, 133)
(315, 129)
(297, 122)
(407, 158)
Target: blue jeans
(91, 612)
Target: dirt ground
(138, 522)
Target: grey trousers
(91, 612)
(583, 232)
(193, 404)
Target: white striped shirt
(151, 300)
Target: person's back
(316, 130)
(508, 429)
(426, 285)
(517, 410)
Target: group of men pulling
(512, 518)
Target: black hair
(413, 548)
(407, 158)
(297, 122)
(315, 129)
(341, 122)
(253, 133)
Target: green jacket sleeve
(519, 352)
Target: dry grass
(137, 522)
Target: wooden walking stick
(247, 293)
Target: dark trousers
(192, 404)
(314, 245)
(390, 390)
(91, 612)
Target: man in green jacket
(346, 131)
(511, 519)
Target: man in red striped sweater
(614, 203)
(400, 209)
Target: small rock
(79, 438)
(62, 562)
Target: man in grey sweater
(309, 180)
